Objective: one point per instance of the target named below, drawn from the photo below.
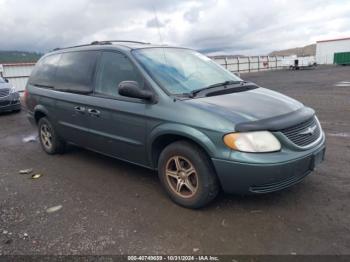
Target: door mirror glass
(132, 89)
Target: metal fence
(249, 64)
(17, 74)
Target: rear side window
(113, 69)
(44, 72)
(75, 71)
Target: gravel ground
(105, 206)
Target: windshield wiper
(226, 83)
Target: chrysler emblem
(309, 131)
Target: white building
(325, 49)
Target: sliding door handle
(79, 109)
(94, 112)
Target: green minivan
(176, 111)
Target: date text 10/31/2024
(173, 258)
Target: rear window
(75, 71)
(44, 72)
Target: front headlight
(12, 90)
(253, 142)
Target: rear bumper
(31, 118)
(252, 178)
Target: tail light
(25, 96)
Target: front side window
(75, 71)
(113, 69)
(181, 70)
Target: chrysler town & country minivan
(176, 111)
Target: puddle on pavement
(30, 138)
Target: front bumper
(10, 105)
(10, 102)
(256, 178)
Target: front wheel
(187, 175)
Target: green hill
(18, 57)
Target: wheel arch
(40, 112)
(164, 135)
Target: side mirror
(132, 89)
(6, 80)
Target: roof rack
(127, 41)
(62, 48)
(105, 42)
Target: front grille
(272, 187)
(4, 103)
(304, 133)
(4, 92)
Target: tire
(174, 171)
(49, 139)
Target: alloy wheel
(181, 176)
(46, 136)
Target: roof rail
(101, 43)
(105, 42)
(62, 48)
(127, 41)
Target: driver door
(117, 122)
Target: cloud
(215, 26)
(154, 22)
(192, 15)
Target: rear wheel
(187, 175)
(49, 139)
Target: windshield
(182, 71)
(2, 80)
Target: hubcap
(181, 176)
(46, 136)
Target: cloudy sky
(249, 27)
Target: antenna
(160, 35)
(158, 26)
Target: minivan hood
(248, 106)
